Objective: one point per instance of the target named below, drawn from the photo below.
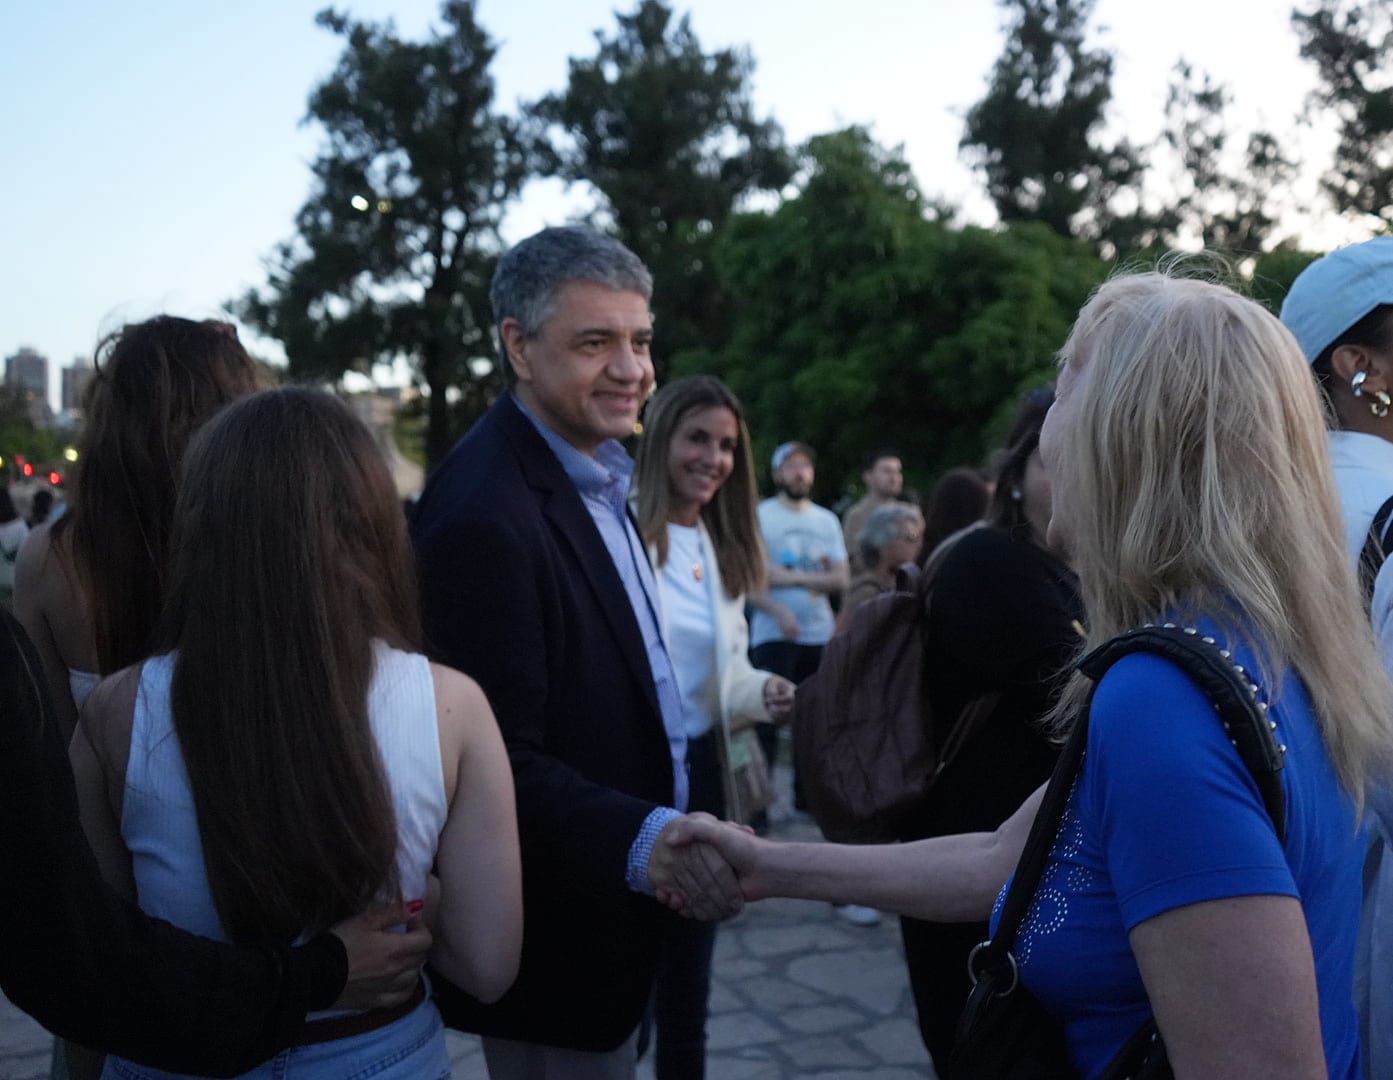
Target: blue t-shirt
(1165, 814)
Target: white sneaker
(858, 915)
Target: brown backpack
(863, 733)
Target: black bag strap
(1228, 685)
(1375, 551)
(1244, 716)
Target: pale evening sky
(153, 153)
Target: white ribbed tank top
(160, 826)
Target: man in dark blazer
(534, 581)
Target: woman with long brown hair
(89, 586)
(696, 512)
(286, 756)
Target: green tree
(18, 436)
(395, 246)
(1227, 198)
(865, 321)
(1274, 273)
(668, 135)
(1037, 135)
(1351, 46)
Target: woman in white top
(287, 757)
(696, 512)
(89, 586)
(1340, 309)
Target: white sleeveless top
(160, 826)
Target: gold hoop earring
(1380, 403)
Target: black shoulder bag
(1375, 551)
(1004, 1033)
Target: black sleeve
(89, 965)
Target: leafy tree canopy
(667, 133)
(1228, 197)
(865, 322)
(1351, 46)
(395, 245)
(1037, 135)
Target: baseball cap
(788, 449)
(1335, 292)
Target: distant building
(75, 380)
(26, 373)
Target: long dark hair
(154, 382)
(731, 516)
(289, 558)
(959, 498)
(1006, 511)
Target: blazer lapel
(562, 506)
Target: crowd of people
(291, 784)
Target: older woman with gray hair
(890, 538)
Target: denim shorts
(412, 1048)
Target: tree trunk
(434, 368)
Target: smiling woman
(696, 511)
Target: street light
(70, 454)
(358, 202)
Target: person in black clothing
(93, 968)
(1004, 619)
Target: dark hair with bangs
(283, 576)
(153, 384)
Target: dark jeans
(795, 663)
(684, 965)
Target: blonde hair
(1199, 481)
(730, 517)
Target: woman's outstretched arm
(943, 879)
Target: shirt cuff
(642, 850)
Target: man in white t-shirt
(793, 620)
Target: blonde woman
(1192, 483)
(696, 512)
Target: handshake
(706, 869)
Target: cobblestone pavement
(796, 992)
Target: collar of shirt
(607, 475)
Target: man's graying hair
(529, 275)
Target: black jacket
(519, 591)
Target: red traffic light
(28, 469)
(55, 479)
